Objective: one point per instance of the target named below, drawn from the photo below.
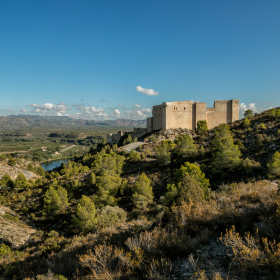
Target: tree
(85, 216)
(248, 114)
(110, 215)
(227, 154)
(30, 167)
(11, 162)
(6, 181)
(55, 200)
(246, 122)
(20, 181)
(41, 171)
(142, 192)
(186, 182)
(185, 146)
(273, 165)
(277, 113)
(108, 187)
(221, 131)
(91, 180)
(163, 153)
(104, 141)
(2, 157)
(134, 156)
(201, 126)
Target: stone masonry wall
(186, 114)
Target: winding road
(132, 146)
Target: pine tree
(201, 126)
(142, 192)
(20, 181)
(246, 122)
(274, 165)
(55, 200)
(248, 114)
(227, 155)
(163, 153)
(107, 189)
(185, 146)
(85, 218)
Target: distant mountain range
(38, 121)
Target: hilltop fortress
(185, 114)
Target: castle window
(184, 108)
(174, 108)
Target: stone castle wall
(185, 114)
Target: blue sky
(86, 59)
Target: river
(54, 163)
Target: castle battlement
(185, 114)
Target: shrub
(11, 162)
(187, 179)
(110, 215)
(153, 139)
(227, 154)
(248, 114)
(134, 156)
(10, 217)
(107, 189)
(20, 181)
(2, 157)
(273, 165)
(277, 113)
(185, 146)
(55, 200)
(262, 126)
(163, 152)
(201, 126)
(6, 180)
(142, 192)
(271, 112)
(221, 131)
(30, 167)
(41, 171)
(91, 180)
(85, 217)
(246, 122)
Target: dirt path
(27, 174)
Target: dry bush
(252, 253)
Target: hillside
(22, 121)
(185, 205)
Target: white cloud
(9, 110)
(136, 113)
(90, 112)
(137, 106)
(22, 110)
(116, 113)
(251, 106)
(59, 114)
(147, 91)
(146, 111)
(48, 107)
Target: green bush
(189, 174)
(110, 215)
(185, 146)
(2, 158)
(262, 126)
(163, 152)
(273, 165)
(10, 217)
(227, 155)
(201, 126)
(20, 181)
(11, 162)
(248, 114)
(134, 156)
(246, 122)
(142, 192)
(153, 139)
(55, 200)
(85, 217)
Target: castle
(185, 114)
